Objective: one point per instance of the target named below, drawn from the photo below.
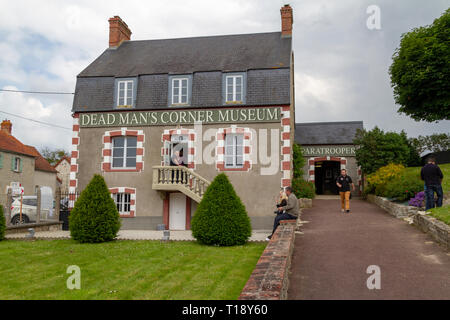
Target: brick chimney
(286, 21)
(118, 32)
(7, 126)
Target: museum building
(159, 119)
(327, 148)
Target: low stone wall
(437, 229)
(395, 209)
(270, 278)
(41, 226)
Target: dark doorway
(326, 173)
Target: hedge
(94, 217)
(221, 218)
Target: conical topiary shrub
(221, 218)
(2, 223)
(94, 217)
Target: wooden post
(38, 205)
(57, 202)
(8, 207)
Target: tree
(420, 71)
(299, 161)
(377, 148)
(301, 187)
(53, 155)
(2, 223)
(221, 218)
(434, 143)
(94, 217)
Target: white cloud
(341, 67)
(32, 133)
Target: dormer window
(234, 88)
(125, 94)
(180, 90)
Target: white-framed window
(123, 202)
(125, 93)
(180, 92)
(17, 164)
(234, 151)
(234, 88)
(124, 152)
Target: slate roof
(187, 55)
(326, 133)
(264, 56)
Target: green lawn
(442, 213)
(125, 270)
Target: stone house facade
(327, 148)
(159, 119)
(22, 164)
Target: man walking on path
(291, 210)
(432, 175)
(343, 182)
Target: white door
(177, 211)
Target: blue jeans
(279, 217)
(429, 196)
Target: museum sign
(343, 151)
(158, 118)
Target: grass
(441, 213)
(125, 270)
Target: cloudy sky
(341, 67)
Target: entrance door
(177, 211)
(326, 173)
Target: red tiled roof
(61, 160)
(41, 164)
(9, 143)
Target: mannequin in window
(177, 159)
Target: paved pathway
(257, 235)
(331, 257)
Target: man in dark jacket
(432, 175)
(344, 182)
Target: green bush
(94, 217)
(2, 223)
(303, 188)
(221, 218)
(404, 187)
(299, 161)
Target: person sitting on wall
(281, 202)
(288, 212)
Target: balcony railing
(179, 178)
